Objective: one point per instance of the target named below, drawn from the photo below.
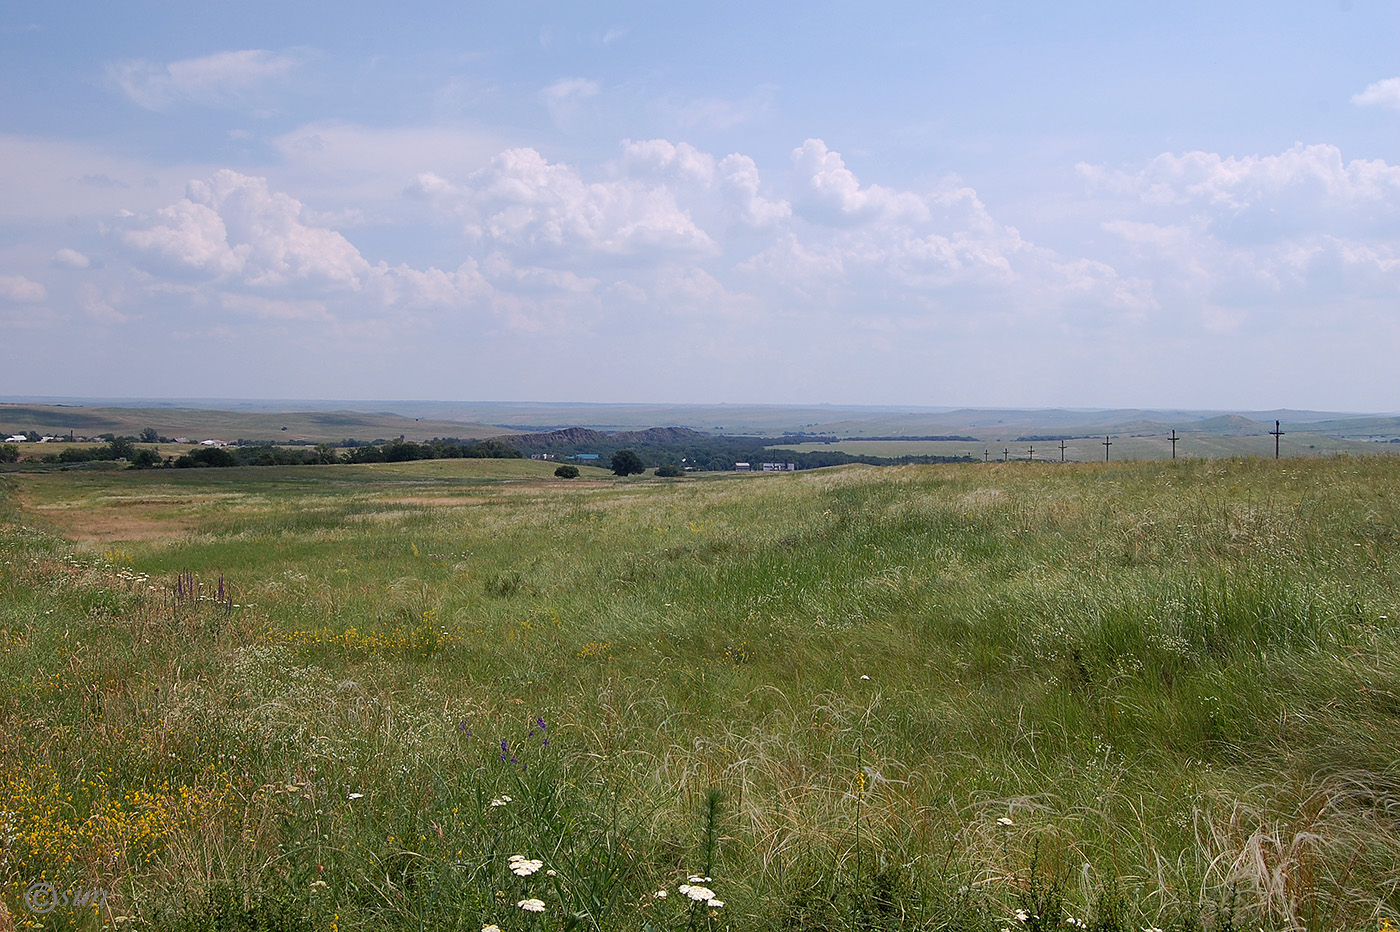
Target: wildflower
(696, 892)
(1005, 821)
(1076, 923)
(695, 878)
(499, 801)
(522, 866)
(864, 677)
(531, 905)
(716, 904)
(317, 883)
(660, 894)
(491, 928)
(1023, 915)
(356, 796)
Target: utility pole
(1106, 444)
(1276, 433)
(987, 455)
(1006, 455)
(1174, 438)
(1032, 454)
(1062, 451)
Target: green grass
(1177, 681)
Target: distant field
(229, 426)
(1110, 697)
(1091, 450)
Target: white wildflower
(531, 905)
(1023, 915)
(660, 894)
(696, 892)
(715, 903)
(522, 866)
(491, 928)
(1005, 820)
(356, 796)
(499, 801)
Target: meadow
(457, 695)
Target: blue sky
(1185, 204)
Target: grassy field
(1117, 697)
(1090, 449)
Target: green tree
(150, 435)
(669, 471)
(627, 463)
(145, 458)
(9, 453)
(567, 472)
(118, 448)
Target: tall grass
(1156, 695)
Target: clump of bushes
(567, 472)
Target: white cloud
(1244, 238)
(71, 259)
(831, 193)
(525, 201)
(21, 290)
(1380, 94)
(233, 226)
(224, 79)
(564, 97)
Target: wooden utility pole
(1276, 433)
(1006, 455)
(1106, 444)
(1032, 454)
(1062, 451)
(987, 455)
(1174, 438)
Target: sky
(1186, 204)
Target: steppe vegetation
(451, 695)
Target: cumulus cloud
(224, 79)
(71, 259)
(1380, 94)
(21, 290)
(235, 227)
(526, 201)
(831, 193)
(1260, 233)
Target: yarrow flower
(696, 892)
(1005, 820)
(522, 866)
(500, 801)
(660, 894)
(356, 796)
(531, 905)
(1023, 915)
(491, 928)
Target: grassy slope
(1176, 680)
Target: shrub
(567, 472)
(9, 453)
(669, 471)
